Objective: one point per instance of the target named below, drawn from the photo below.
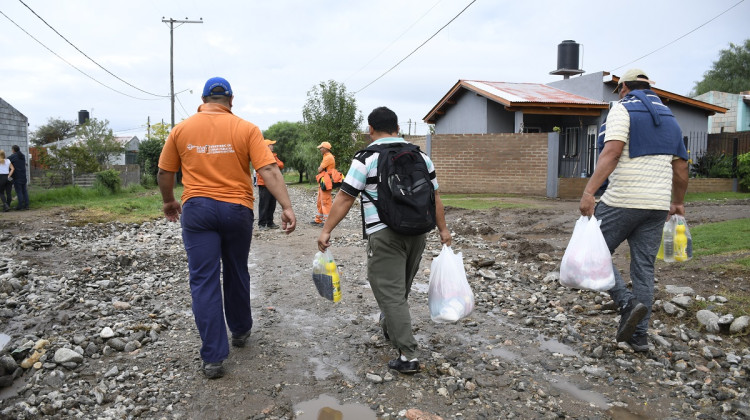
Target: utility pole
(171, 54)
(148, 127)
(410, 126)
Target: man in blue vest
(645, 161)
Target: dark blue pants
(217, 238)
(21, 193)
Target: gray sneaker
(213, 370)
(639, 343)
(240, 340)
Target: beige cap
(633, 75)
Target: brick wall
(491, 163)
(420, 141)
(696, 185)
(571, 188)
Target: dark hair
(217, 95)
(383, 119)
(638, 85)
(15, 148)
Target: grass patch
(133, 204)
(291, 176)
(737, 304)
(722, 237)
(480, 201)
(715, 196)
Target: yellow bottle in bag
(680, 244)
(333, 271)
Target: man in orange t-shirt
(214, 148)
(266, 201)
(324, 197)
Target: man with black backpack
(400, 204)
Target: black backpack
(406, 196)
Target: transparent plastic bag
(587, 263)
(676, 242)
(327, 276)
(449, 296)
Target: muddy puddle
(328, 408)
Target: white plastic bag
(449, 297)
(587, 263)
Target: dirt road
(531, 349)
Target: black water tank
(83, 116)
(567, 55)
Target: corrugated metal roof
(528, 93)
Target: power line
(683, 36)
(415, 50)
(187, 114)
(84, 54)
(394, 41)
(140, 127)
(71, 65)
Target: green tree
(150, 149)
(331, 115)
(98, 138)
(55, 129)
(730, 73)
(69, 160)
(294, 147)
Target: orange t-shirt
(329, 162)
(279, 163)
(215, 148)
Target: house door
(590, 147)
(569, 161)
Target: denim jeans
(21, 193)
(642, 229)
(217, 238)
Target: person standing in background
(266, 201)
(324, 197)
(19, 177)
(6, 176)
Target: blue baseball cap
(215, 82)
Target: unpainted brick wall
(505, 163)
(571, 188)
(700, 185)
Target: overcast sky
(274, 52)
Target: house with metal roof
(574, 107)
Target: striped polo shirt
(643, 182)
(356, 181)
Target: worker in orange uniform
(324, 197)
(266, 201)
